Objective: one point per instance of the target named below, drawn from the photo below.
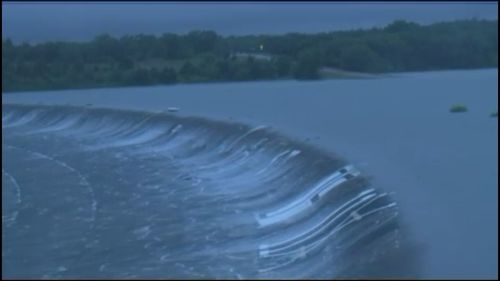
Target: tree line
(204, 56)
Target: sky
(36, 22)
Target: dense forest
(203, 56)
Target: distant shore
(325, 74)
(205, 56)
(335, 73)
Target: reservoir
(440, 167)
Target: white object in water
(172, 109)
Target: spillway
(108, 193)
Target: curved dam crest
(106, 193)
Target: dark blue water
(106, 193)
(442, 167)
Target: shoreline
(342, 75)
(203, 56)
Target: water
(441, 166)
(109, 193)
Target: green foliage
(206, 56)
(307, 65)
(360, 58)
(168, 76)
(458, 108)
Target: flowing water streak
(276, 203)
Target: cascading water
(113, 193)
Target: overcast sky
(34, 22)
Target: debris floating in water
(458, 108)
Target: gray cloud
(34, 22)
